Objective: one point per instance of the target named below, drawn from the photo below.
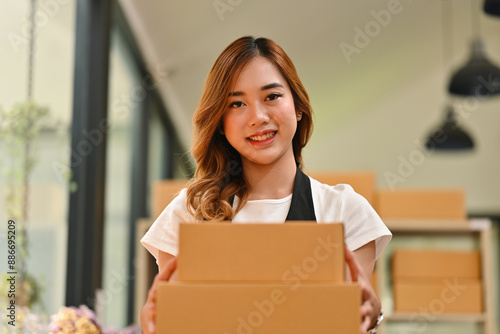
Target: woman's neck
(272, 181)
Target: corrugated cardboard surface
(408, 263)
(163, 192)
(451, 295)
(441, 204)
(290, 252)
(362, 182)
(316, 308)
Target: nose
(258, 115)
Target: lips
(262, 137)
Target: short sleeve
(340, 203)
(163, 235)
(362, 224)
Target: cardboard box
(163, 192)
(441, 204)
(362, 182)
(409, 263)
(434, 297)
(319, 308)
(286, 252)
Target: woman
(253, 120)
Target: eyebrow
(266, 87)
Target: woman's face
(260, 119)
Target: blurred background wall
(376, 71)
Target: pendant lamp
(492, 7)
(449, 136)
(479, 77)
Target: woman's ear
(299, 115)
(220, 128)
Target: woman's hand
(370, 304)
(148, 311)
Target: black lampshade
(492, 7)
(449, 136)
(479, 77)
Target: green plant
(19, 129)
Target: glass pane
(48, 182)
(123, 82)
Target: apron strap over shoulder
(302, 206)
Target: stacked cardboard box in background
(260, 279)
(437, 281)
(421, 204)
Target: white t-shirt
(332, 204)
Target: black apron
(302, 207)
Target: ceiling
(181, 39)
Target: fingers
(366, 309)
(370, 304)
(168, 270)
(164, 275)
(370, 308)
(151, 327)
(148, 316)
(368, 316)
(148, 311)
(365, 325)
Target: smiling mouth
(263, 137)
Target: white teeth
(264, 137)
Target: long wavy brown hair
(219, 175)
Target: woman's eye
(273, 96)
(235, 104)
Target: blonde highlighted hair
(219, 175)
